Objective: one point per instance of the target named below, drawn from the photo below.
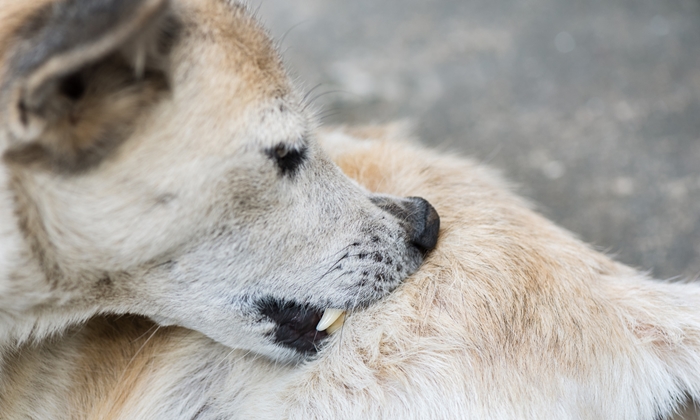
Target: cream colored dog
(156, 160)
(510, 317)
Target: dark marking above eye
(288, 158)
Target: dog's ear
(79, 71)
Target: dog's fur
(510, 317)
(156, 160)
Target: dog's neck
(24, 289)
(19, 271)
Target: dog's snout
(424, 225)
(418, 217)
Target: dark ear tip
(83, 30)
(58, 53)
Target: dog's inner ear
(81, 73)
(72, 86)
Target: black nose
(418, 217)
(425, 224)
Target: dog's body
(510, 317)
(156, 160)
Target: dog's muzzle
(303, 328)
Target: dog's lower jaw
(294, 325)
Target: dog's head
(163, 164)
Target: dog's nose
(418, 217)
(426, 224)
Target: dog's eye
(288, 159)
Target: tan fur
(509, 318)
(119, 351)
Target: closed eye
(288, 158)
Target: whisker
(257, 10)
(326, 116)
(328, 111)
(306, 95)
(284, 36)
(342, 328)
(284, 52)
(157, 327)
(320, 95)
(337, 261)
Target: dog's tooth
(337, 324)
(329, 317)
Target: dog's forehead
(225, 55)
(222, 36)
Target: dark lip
(295, 324)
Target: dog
(157, 160)
(510, 317)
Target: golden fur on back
(510, 317)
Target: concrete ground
(591, 107)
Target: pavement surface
(591, 107)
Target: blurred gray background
(592, 107)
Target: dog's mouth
(299, 326)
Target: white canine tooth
(337, 324)
(329, 317)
